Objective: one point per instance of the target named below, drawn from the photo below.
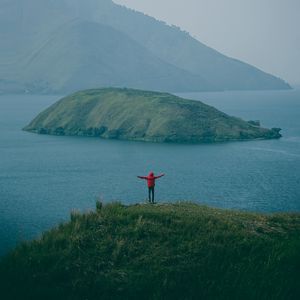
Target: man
(151, 184)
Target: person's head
(151, 174)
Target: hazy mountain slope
(25, 27)
(143, 116)
(71, 54)
(85, 54)
(47, 46)
(179, 48)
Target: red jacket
(151, 178)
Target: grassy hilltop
(129, 114)
(166, 251)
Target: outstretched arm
(159, 176)
(142, 177)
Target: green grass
(163, 251)
(129, 114)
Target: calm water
(43, 178)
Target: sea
(44, 178)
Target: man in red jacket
(151, 184)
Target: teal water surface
(43, 178)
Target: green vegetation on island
(138, 115)
(163, 251)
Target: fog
(264, 33)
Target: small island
(129, 114)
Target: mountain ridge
(185, 63)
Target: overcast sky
(264, 33)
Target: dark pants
(151, 193)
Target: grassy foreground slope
(167, 251)
(139, 115)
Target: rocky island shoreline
(137, 115)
